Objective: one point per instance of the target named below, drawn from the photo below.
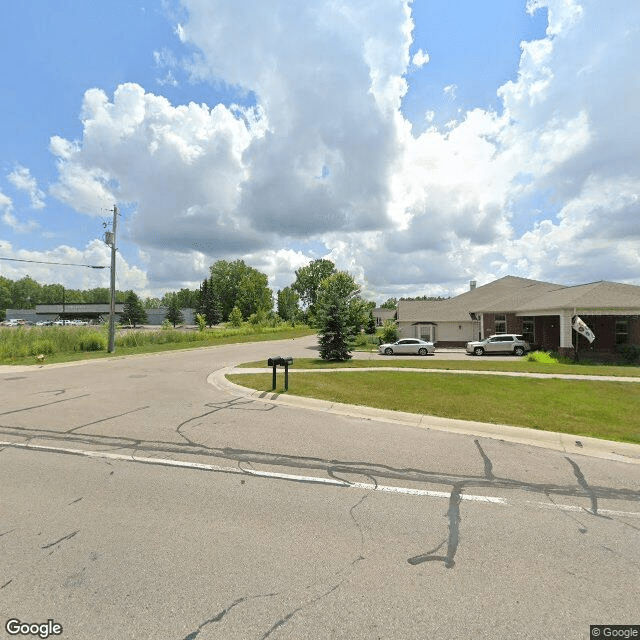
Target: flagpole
(575, 313)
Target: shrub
(630, 352)
(258, 318)
(361, 340)
(273, 320)
(201, 321)
(95, 342)
(45, 347)
(235, 317)
(389, 332)
(543, 357)
(130, 339)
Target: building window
(622, 330)
(426, 333)
(501, 323)
(529, 329)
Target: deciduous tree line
(320, 296)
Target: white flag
(580, 326)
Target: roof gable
(521, 295)
(500, 295)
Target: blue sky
(473, 46)
(418, 145)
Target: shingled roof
(501, 295)
(596, 296)
(521, 295)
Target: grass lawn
(609, 410)
(470, 364)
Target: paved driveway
(139, 501)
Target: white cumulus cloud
(420, 58)
(22, 179)
(540, 188)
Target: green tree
(254, 295)
(341, 314)
(74, 296)
(390, 303)
(98, 295)
(5, 296)
(288, 301)
(236, 284)
(133, 312)
(235, 317)
(25, 293)
(52, 294)
(307, 283)
(174, 313)
(187, 299)
(152, 303)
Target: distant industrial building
(88, 312)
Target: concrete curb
(471, 372)
(566, 443)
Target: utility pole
(110, 239)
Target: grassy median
(472, 363)
(609, 410)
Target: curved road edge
(566, 443)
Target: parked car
(502, 343)
(14, 322)
(408, 346)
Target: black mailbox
(285, 361)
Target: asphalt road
(139, 501)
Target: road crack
(582, 481)
(453, 515)
(488, 465)
(67, 537)
(219, 616)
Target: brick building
(541, 311)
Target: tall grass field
(22, 344)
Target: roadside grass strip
(520, 365)
(68, 344)
(593, 408)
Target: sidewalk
(566, 443)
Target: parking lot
(440, 354)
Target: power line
(64, 264)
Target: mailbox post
(275, 361)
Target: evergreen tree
(371, 324)
(174, 314)
(208, 304)
(133, 312)
(341, 313)
(334, 340)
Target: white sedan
(408, 346)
